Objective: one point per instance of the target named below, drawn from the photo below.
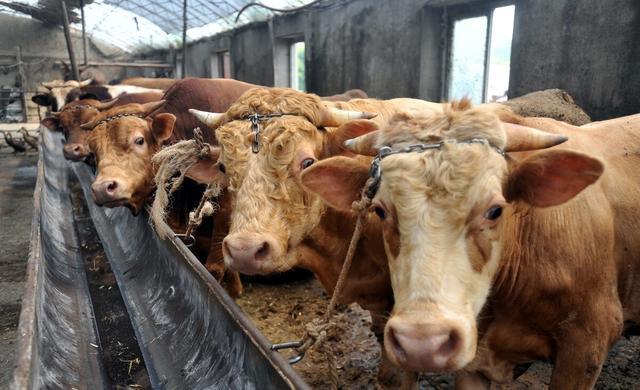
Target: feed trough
(190, 332)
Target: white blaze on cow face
(440, 212)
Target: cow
(61, 93)
(275, 223)
(501, 248)
(123, 148)
(162, 83)
(74, 114)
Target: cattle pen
(320, 194)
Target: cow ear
(349, 130)
(162, 126)
(50, 123)
(207, 170)
(42, 99)
(552, 177)
(338, 180)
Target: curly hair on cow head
(459, 120)
(277, 100)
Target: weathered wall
(391, 48)
(590, 48)
(373, 45)
(42, 49)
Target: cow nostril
(263, 252)
(451, 346)
(112, 186)
(400, 353)
(76, 148)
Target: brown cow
(496, 259)
(123, 148)
(74, 114)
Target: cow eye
(380, 212)
(307, 162)
(222, 168)
(493, 213)
(139, 141)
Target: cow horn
(148, 108)
(521, 138)
(333, 117)
(210, 119)
(49, 84)
(105, 105)
(364, 145)
(85, 82)
(89, 125)
(55, 113)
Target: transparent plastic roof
(135, 25)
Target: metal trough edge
(58, 343)
(191, 333)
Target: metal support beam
(131, 64)
(23, 82)
(184, 39)
(67, 36)
(84, 33)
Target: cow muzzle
(426, 347)
(251, 253)
(109, 193)
(75, 152)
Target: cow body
(567, 300)
(162, 83)
(62, 93)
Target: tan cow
(496, 259)
(275, 223)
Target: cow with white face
(476, 225)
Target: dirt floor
(17, 181)
(281, 312)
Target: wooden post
(67, 36)
(84, 33)
(23, 82)
(184, 39)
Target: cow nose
(423, 347)
(106, 191)
(74, 152)
(248, 253)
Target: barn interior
(587, 52)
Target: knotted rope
(177, 159)
(318, 330)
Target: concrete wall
(43, 47)
(590, 48)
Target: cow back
(215, 95)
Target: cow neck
(323, 252)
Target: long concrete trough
(191, 334)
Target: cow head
(272, 213)
(69, 121)
(57, 95)
(445, 211)
(123, 140)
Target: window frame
(466, 11)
